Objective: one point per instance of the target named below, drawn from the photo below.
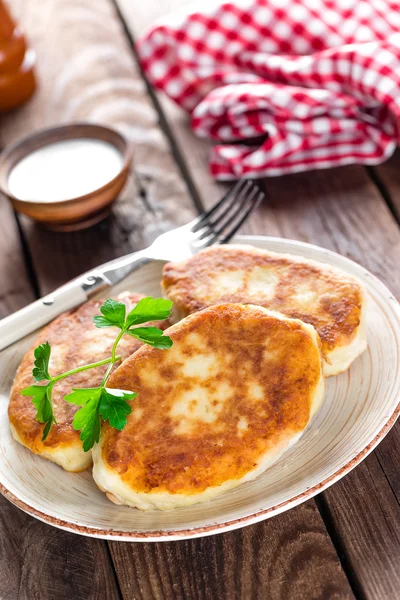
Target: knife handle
(35, 315)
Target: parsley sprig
(98, 403)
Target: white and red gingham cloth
(295, 84)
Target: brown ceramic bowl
(74, 213)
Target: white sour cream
(64, 170)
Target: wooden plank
(366, 517)
(342, 210)
(41, 562)
(286, 557)
(387, 178)
(16, 289)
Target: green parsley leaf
(87, 419)
(41, 398)
(102, 322)
(81, 396)
(113, 314)
(114, 406)
(152, 336)
(149, 309)
(39, 394)
(40, 371)
(46, 430)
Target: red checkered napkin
(301, 83)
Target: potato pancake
(325, 297)
(74, 341)
(238, 387)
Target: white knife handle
(37, 314)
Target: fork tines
(219, 224)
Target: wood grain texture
(260, 561)
(16, 289)
(343, 210)
(366, 517)
(387, 177)
(38, 562)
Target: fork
(216, 226)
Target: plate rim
(230, 525)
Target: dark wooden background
(342, 544)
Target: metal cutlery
(216, 226)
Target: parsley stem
(106, 361)
(114, 348)
(106, 374)
(113, 357)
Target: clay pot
(17, 77)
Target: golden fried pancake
(237, 389)
(327, 298)
(74, 341)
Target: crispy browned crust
(335, 312)
(74, 341)
(269, 369)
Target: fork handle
(23, 322)
(38, 313)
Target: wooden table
(342, 544)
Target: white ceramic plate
(360, 407)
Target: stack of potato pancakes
(254, 334)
